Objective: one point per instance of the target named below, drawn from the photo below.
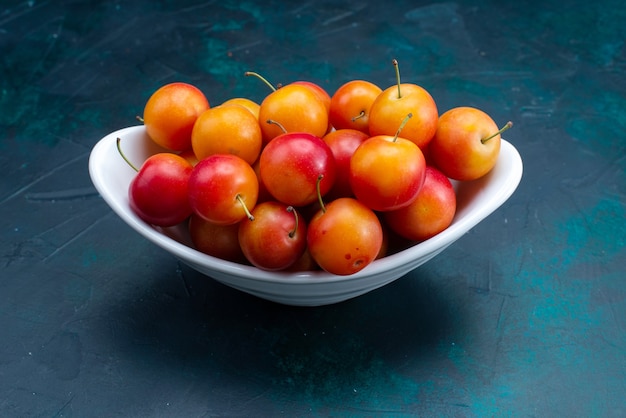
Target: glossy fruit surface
(249, 104)
(221, 241)
(459, 148)
(223, 188)
(430, 213)
(227, 129)
(390, 108)
(345, 237)
(321, 94)
(275, 238)
(387, 172)
(343, 143)
(351, 103)
(158, 194)
(291, 164)
(170, 113)
(297, 108)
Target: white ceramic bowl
(111, 176)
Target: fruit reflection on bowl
(476, 200)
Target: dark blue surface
(524, 316)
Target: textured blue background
(524, 316)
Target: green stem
(119, 149)
(319, 192)
(245, 208)
(295, 214)
(504, 128)
(404, 122)
(275, 122)
(260, 77)
(395, 65)
(359, 116)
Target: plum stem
(404, 122)
(280, 125)
(245, 208)
(359, 116)
(295, 215)
(319, 192)
(260, 77)
(119, 149)
(504, 128)
(395, 65)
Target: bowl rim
(100, 163)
